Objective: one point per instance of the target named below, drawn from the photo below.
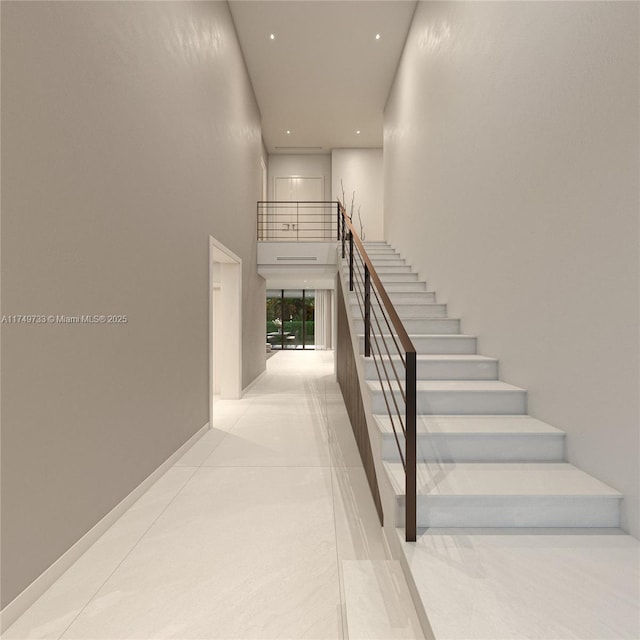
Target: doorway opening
(291, 318)
(299, 319)
(225, 323)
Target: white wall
(511, 183)
(360, 170)
(302, 166)
(130, 133)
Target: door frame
(225, 354)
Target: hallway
(265, 528)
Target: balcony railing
(309, 221)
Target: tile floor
(528, 584)
(264, 529)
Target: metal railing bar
(380, 356)
(398, 349)
(391, 415)
(393, 315)
(390, 357)
(388, 380)
(375, 360)
(409, 391)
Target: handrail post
(410, 451)
(338, 220)
(343, 238)
(367, 312)
(350, 260)
(297, 221)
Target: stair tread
(495, 479)
(454, 357)
(431, 335)
(475, 425)
(416, 303)
(456, 385)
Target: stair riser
(381, 253)
(459, 402)
(440, 345)
(411, 311)
(378, 247)
(384, 269)
(438, 326)
(387, 262)
(452, 370)
(404, 287)
(395, 277)
(388, 278)
(480, 448)
(514, 511)
(411, 298)
(414, 297)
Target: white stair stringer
(482, 461)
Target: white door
(296, 222)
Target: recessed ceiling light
(358, 131)
(377, 36)
(273, 36)
(288, 132)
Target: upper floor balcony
(298, 239)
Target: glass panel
(286, 311)
(309, 300)
(293, 319)
(274, 319)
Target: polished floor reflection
(264, 529)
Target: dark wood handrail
(403, 336)
(371, 275)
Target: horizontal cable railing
(393, 354)
(303, 221)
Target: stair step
(387, 278)
(385, 269)
(404, 287)
(416, 310)
(382, 253)
(377, 246)
(506, 495)
(423, 326)
(437, 344)
(477, 439)
(389, 260)
(376, 254)
(436, 367)
(453, 397)
(411, 297)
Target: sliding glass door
(290, 318)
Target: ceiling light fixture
(272, 36)
(377, 36)
(288, 132)
(358, 131)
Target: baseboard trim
(254, 382)
(24, 600)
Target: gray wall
(511, 183)
(130, 133)
(360, 170)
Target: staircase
(482, 461)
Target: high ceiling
(324, 75)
